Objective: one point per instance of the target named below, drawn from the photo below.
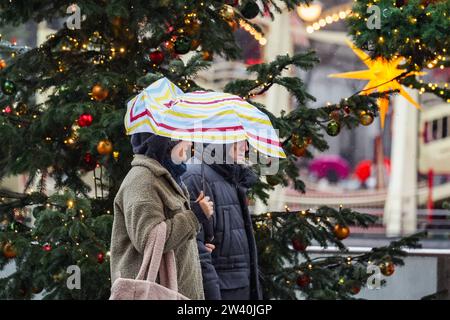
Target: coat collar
(158, 170)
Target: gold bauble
(104, 147)
(99, 93)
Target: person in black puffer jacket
(230, 264)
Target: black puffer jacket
(231, 270)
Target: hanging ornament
(387, 268)
(116, 155)
(36, 290)
(89, 161)
(341, 232)
(104, 147)
(298, 151)
(100, 257)
(333, 128)
(117, 21)
(299, 245)
(192, 28)
(366, 118)
(7, 109)
(169, 46)
(296, 139)
(58, 277)
(21, 108)
(47, 247)
(272, 180)
(227, 12)
(85, 120)
(335, 115)
(195, 43)
(8, 87)
(19, 214)
(383, 75)
(355, 289)
(308, 140)
(156, 57)
(207, 55)
(9, 252)
(2, 64)
(347, 110)
(249, 10)
(303, 281)
(182, 45)
(99, 93)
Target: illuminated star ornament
(383, 75)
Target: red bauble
(47, 247)
(303, 281)
(89, 161)
(9, 251)
(7, 109)
(355, 289)
(387, 268)
(299, 245)
(156, 57)
(298, 151)
(347, 110)
(85, 120)
(100, 257)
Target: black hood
(158, 148)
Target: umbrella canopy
(201, 116)
(322, 166)
(363, 169)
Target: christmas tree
(63, 105)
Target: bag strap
(154, 260)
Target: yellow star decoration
(383, 76)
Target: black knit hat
(153, 146)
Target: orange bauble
(104, 147)
(341, 232)
(207, 55)
(298, 151)
(99, 93)
(195, 43)
(9, 251)
(2, 64)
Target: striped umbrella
(201, 116)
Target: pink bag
(140, 289)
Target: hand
(206, 205)
(210, 247)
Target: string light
(256, 35)
(328, 19)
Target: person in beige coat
(152, 192)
